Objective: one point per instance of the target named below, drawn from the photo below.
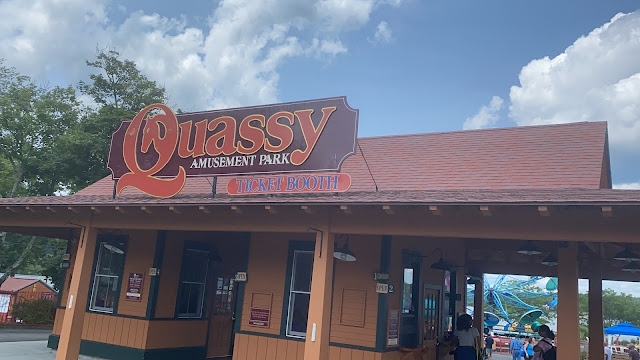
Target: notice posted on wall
(259, 317)
(134, 286)
(394, 323)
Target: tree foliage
(616, 308)
(50, 143)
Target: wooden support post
(319, 320)
(596, 326)
(543, 210)
(485, 210)
(568, 319)
(71, 332)
(478, 306)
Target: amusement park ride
(507, 297)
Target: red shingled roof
(566, 156)
(15, 284)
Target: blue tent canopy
(623, 329)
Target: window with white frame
(193, 283)
(299, 293)
(107, 276)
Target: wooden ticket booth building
(371, 262)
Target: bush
(34, 312)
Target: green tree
(32, 121)
(121, 90)
(616, 308)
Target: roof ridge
(508, 128)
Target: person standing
(633, 353)
(514, 348)
(607, 351)
(466, 338)
(488, 345)
(545, 345)
(528, 348)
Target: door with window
(221, 326)
(431, 318)
(410, 315)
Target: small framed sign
(259, 317)
(134, 287)
(382, 288)
(241, 276)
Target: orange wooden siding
(108, 329)
(139, 258)
(355, 301)
(255, 347)
(170, 275)
(64, 290)
(176, 333)
(266, 275)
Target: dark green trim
(115, 352)
(364, 348)
(293, 246)
(274, 336)
(64, 277)
(107, 238)
(155, 280)
(383, 299)
(240, 293)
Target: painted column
(568, 334)
(596, 326)
(316, 345)
(478, 306)
(71, 332)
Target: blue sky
(409, 66)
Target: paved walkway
(29, 350)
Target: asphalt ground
(11, 334)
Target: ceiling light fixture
(529, 249)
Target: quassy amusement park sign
(157, 150)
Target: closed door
(221, 326)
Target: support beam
(96, 210)
(319, 320)
(271, 209)
(49, 208)
(71, 332)
(435, 210)
(306, 209)
(346, 209)
(10, 209)
(31, 209)
(145, 209)
(388, 209)
(204, 209)
(175, 210)
(607, 211)
(236, 209)
(543, 210)
(568, 319)
(596, 326)
(72, 209)
(485, 210)
(478, 306)
(120, 209)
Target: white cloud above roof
(486, 117)
(232, 61)
(597, 78)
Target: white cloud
(627, 186)
(383, 33)
(234, 61)
(597, 78)
(486, 116)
